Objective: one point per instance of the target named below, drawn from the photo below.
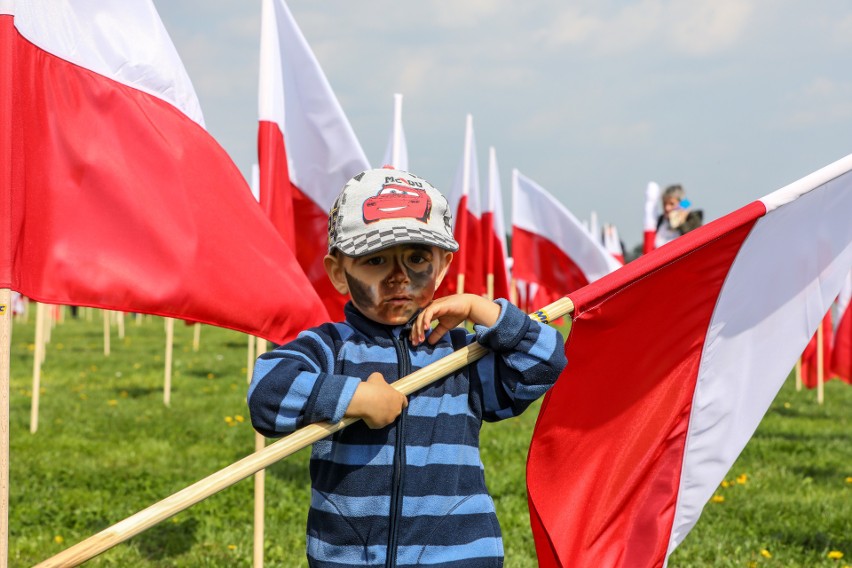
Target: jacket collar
(373, 328)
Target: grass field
(107, 447)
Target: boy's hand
(376, 402)
(450, 311)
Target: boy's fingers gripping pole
(237, 471)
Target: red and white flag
(673, 361)
(494, 234)
(307, 150)
(652, 213)
(559, 254)
(612, 243)
(113, 193)
(467, 271)
(811, 355)
(841, 351)
(396, 154)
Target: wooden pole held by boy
(237, 471)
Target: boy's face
(391, 285)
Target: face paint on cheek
(423, 280)
(362, 294)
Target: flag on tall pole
(559, 254)
(816, 365)
(118, 197)
(652, 213)
(494, 234)
(612, 243)
(396, 153)
(467, 272)
(841, 351)
(307, 149)
(629, 446)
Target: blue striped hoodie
(412, 493)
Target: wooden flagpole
(250, 358)
(196, 336)
(38, 360)
(106, 332)
(489, 285)
(820, 358)
(5, 350)
(799, 374)
(259, 484)
(170, 343)
(237, 471)
(119, 320)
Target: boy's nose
(398, 272)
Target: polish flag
(494, 234)
(396, 154)
(652, 213)
(810, 357)
(467, 271)
(841, 352)
(114, 194)
(552, 247)
(612, 243)
(307, 150)
(673, 361)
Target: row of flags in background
(307, 150)
(687, 346)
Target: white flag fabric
(396, 154)
(653, 209)
(307, 149)
(494, 233)
(642, 437)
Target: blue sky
(592, 99)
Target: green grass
(107, 447)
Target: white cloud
(707, 26)
(821, 102)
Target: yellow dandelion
(112, 402)
(718, 499)
(232, 547)
(751, 565)
(835, 555)
(849, 479)
(726, 484)
(239, 418)
(60, 346)
(124, 394)
(58, 539)
(765, 553)
(210, 375)
(742, 478)
(788, 405)
(229, 420)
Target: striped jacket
(412, 493)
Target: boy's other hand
(376, 402)
(450, 311)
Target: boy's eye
(374, 261)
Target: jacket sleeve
(293, 385)
(527, 358)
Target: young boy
(677, 218)
(405, 486)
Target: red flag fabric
(810, 361)
(637, 433)
(494, 233)
(652, 213)
(841, 351)
(307, 149)
(558, 253)
(115, 195)
(463, 198)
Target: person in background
(678, 217)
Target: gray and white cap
(384, 207)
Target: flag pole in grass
(259, 490)
(106, 333)
(170, 344)
(799, 374)
(5, 349)
(196, 337)
(38, 360)
(237, 471)
(820, 356)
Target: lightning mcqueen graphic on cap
(396, 201)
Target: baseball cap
(384, 207)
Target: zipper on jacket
(399, 457)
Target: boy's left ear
(448, 258)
